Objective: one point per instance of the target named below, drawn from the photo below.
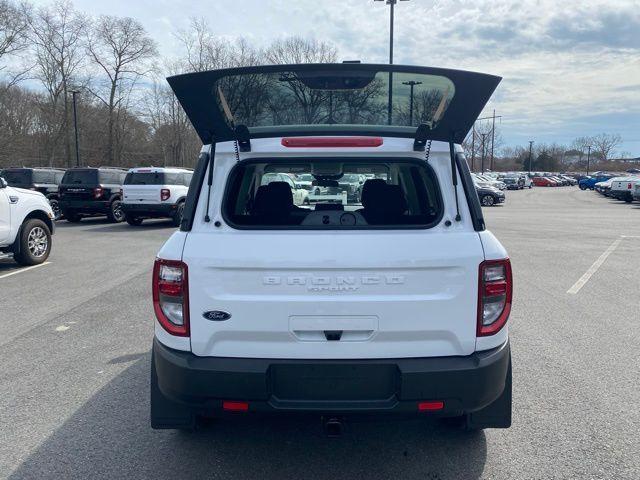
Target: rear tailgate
(142, 193)
(392, 294)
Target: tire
(583, 187)
(35, 243)
(115, 214)
(487, 200)
(133, 220)
(531, 185)
(71, 216)
(55, 206)
(177, 217)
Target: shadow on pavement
(103, 225)
(110, 437)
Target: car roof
(160, 170)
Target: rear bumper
(86, 206)
(464, 384)
(150, 209)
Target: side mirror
(3, 183)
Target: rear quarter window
(344, 194)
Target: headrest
(275, 197)
(372, 188)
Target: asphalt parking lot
(76, 335)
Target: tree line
(127, 114)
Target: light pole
(588, 157)
(392, 4)
(530, 149)
(412, 84)
(75, 125)
(483, 135)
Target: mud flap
(498, 413)
(165, 413)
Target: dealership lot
(77, 333)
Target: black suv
(42, 179)
(89, 191)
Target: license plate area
(333, 382)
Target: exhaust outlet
(333, 427)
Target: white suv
(155, 192)
(394, 302)
(26, 224)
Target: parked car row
(625, 188)
(117, 193)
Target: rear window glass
(81, 177)
(144, 178)
(156, 178)
(17, 177)
(332, 194)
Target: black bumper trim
(150, 210)
(465, 384)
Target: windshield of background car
(393, 194)
(312, 98)
(17, 177)
(80, 177)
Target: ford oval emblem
(216, 316)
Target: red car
(544, 182)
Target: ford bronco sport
(392, 303)
(89, 191)
(155, 192)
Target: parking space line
(15, 272)
(594, 268)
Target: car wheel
(71, 216)
(133, 220)
(116, 214)
(35, 243)
(487, 200)
(177, 217)
(55, 206)
(306, 201)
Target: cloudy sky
(570, 67)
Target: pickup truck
(26, 224)
(590, 182)
(622, 188)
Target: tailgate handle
(333, 335)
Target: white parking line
(594, 268)
(15, 272)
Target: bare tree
(14, 32)
(121, 49)
(581, 145)
(56, 33)
(604, 144)
(300, 50)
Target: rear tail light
(165, 193)
(97, 192)
(495, 288)
(171, 296)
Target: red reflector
(430, 406)
(171, 289)
(497, 288)
(235, 406)
(331, 142)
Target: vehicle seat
(382, 203)
(274, 204)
